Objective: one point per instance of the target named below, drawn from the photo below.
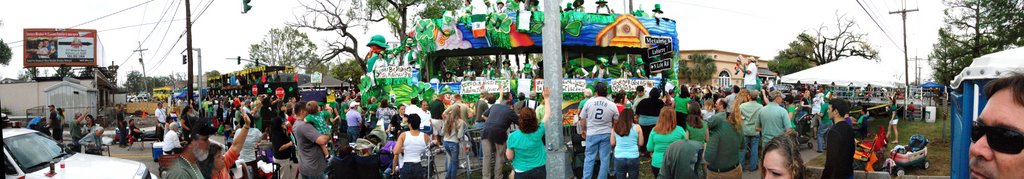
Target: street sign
(662, 64)
(660, 50)
(659, 46)
(255, 90)
(279, 92)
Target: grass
(938, 149)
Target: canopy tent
(855, 71)
(968, 100)
(931, 84)
(992, 66)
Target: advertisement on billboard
(56, 47)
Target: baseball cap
(776, 94)
(353, 104)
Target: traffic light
(246, 6)
(239, 60)
(184, 59)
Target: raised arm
(237, 146)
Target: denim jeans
(353, 133)
(752, 145)
(412, 170)
(453, 159)
(597, 144)
(822, 130)
(751, 87)
(627, 168)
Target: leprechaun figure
(377, 48)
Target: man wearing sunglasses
(997, 134)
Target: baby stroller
(913, 155)
(803, 128)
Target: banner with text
(394, 72)
(568, 85)
(629, 85)
(56, 47)
(485, 86)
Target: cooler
(158, 150)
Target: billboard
(56, 47)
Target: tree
(5, 53)
(972, 29)
(700, 69)
(28, 74)
(135, 82)
(348, 71)
(63, 71)
(797, 57)
(344, 16)
(287, 47)
(834, 44)
(211, 73)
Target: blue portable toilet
(968, 99)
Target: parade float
(270, 80)
(622, 50)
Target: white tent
(991, 66)
(857, 71)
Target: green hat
(657, 8)
(600, 2)
(603, 60)
(377, 40)
(527, 65)
(409, 42)
(639, 60)
(568, 7)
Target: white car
(28, 153)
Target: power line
(879, 26)
(164, 58)
(162, 14)
(98, 18)
(161, 44)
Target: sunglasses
(1000, 139)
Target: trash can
(929, 113)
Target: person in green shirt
(681, 160)
(824, 124)
(526, 147)
(665, 132)
(681, 100)
(695, 124)
(724, 140)
(773, 119)
(747, 108)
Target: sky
(755, 27)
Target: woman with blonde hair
(665, 132)
(454, 128)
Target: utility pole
(188, 44)
(906, 57)
(557, 151)
(199, 51)
(145, 83)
